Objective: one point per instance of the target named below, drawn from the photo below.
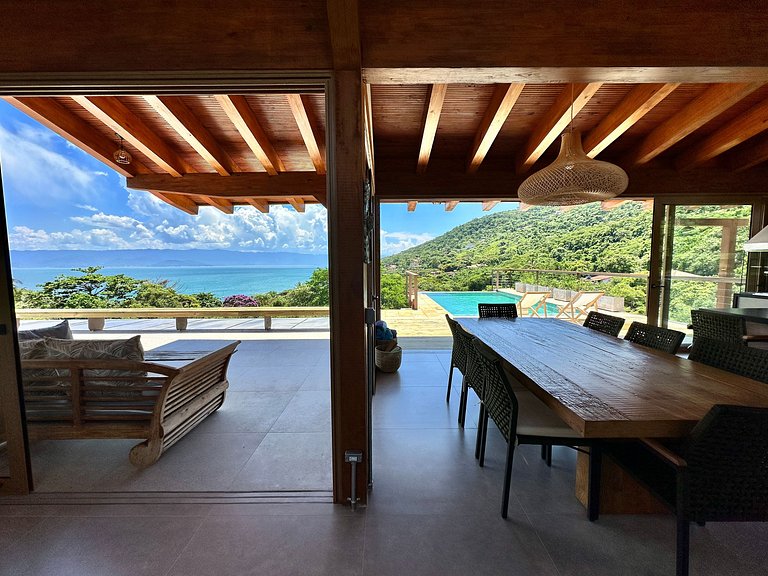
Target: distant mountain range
(160, 258)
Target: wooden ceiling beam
(412, 206)
(55, 116)
(183, 203)
(568, 104)
(632, 108)
(313, 138)
(344, 30)
(489, 204)
(432, 109)
(240, 185)
(189, 127)
(741, 129)
(297, 203)
(120, 119)
(243, 117)
(222, 204)
(701, 110)
(260, 205)
(449, 206)
(757, 153)
(503, 100)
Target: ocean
(220, 280)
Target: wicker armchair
(705, 479)
(722, 327)
(604, 323)
(730, 356)
(462, 347)
(497, 310)
(522, 419)
(655, 337)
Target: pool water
(465, 303)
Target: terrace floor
(432, 510)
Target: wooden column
(347, 281)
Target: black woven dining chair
(704, 479)
(732, 357)
(496, 310)
(723, 328)
(604, 323)
(462, 345)
(663, 339)
(522, 419)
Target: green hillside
(583, 238)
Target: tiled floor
(432, 510)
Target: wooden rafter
(242, 185)
(503, 100)
(189, 127)
(244, 119)
(297, 203)
(183, 203)
(432, 109)
(632, 108)
(449, 206)
(260, 205)
(568, 104)
(489, 204)
(756, 154)
(53, 115)
(112, 112)
(710, 104)
(344, 29)
(313, 138)
(741, 129)
(412, 206)
(222, 204)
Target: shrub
(238, 300)
(207, 300)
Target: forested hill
(583, 238)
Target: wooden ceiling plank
(55, 116)
(313, 138)
(112, 112)
(188, 126)
(503, 100)
(222, 204)
(710, 104)
(741, 129)
(239, 185)
(243, 117)
(642, 99)
(260, 205)
(412, 206)
(489, 204)
(297, 203)
(432, 110)
(568, 104)
(344, 29)
(183, 203)
(449, 206)
(756, 154)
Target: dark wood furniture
(159, 402)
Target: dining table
(609, 388)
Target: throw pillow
(60, 330)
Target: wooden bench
(156, 402)
(97, 316)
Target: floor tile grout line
(187, 545)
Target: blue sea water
(465, 303)
(220, 280)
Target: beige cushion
(536, 419)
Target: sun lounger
(533, 304)
(579, 306)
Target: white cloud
(87, 207)
(107, 220)
(394, 242)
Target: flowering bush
(240, 300)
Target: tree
(90, 290)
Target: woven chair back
(655, 337)
(461, 341)
(735, 358)
(498, 398)
(604, 323)
(720, 327)
(496, 310)
(727, 456)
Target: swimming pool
(465, 303)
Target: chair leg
(683, 544)
(463, 402)
(479, 440)
(549, 455)
(450, 378)
(543, 451)
(507, 477)
(483, 438)
(595, 472)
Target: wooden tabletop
(606, 387)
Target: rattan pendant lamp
(574, 177)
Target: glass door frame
(661, 244)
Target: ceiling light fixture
(574, 177)
(121, 155)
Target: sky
(59, 197)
